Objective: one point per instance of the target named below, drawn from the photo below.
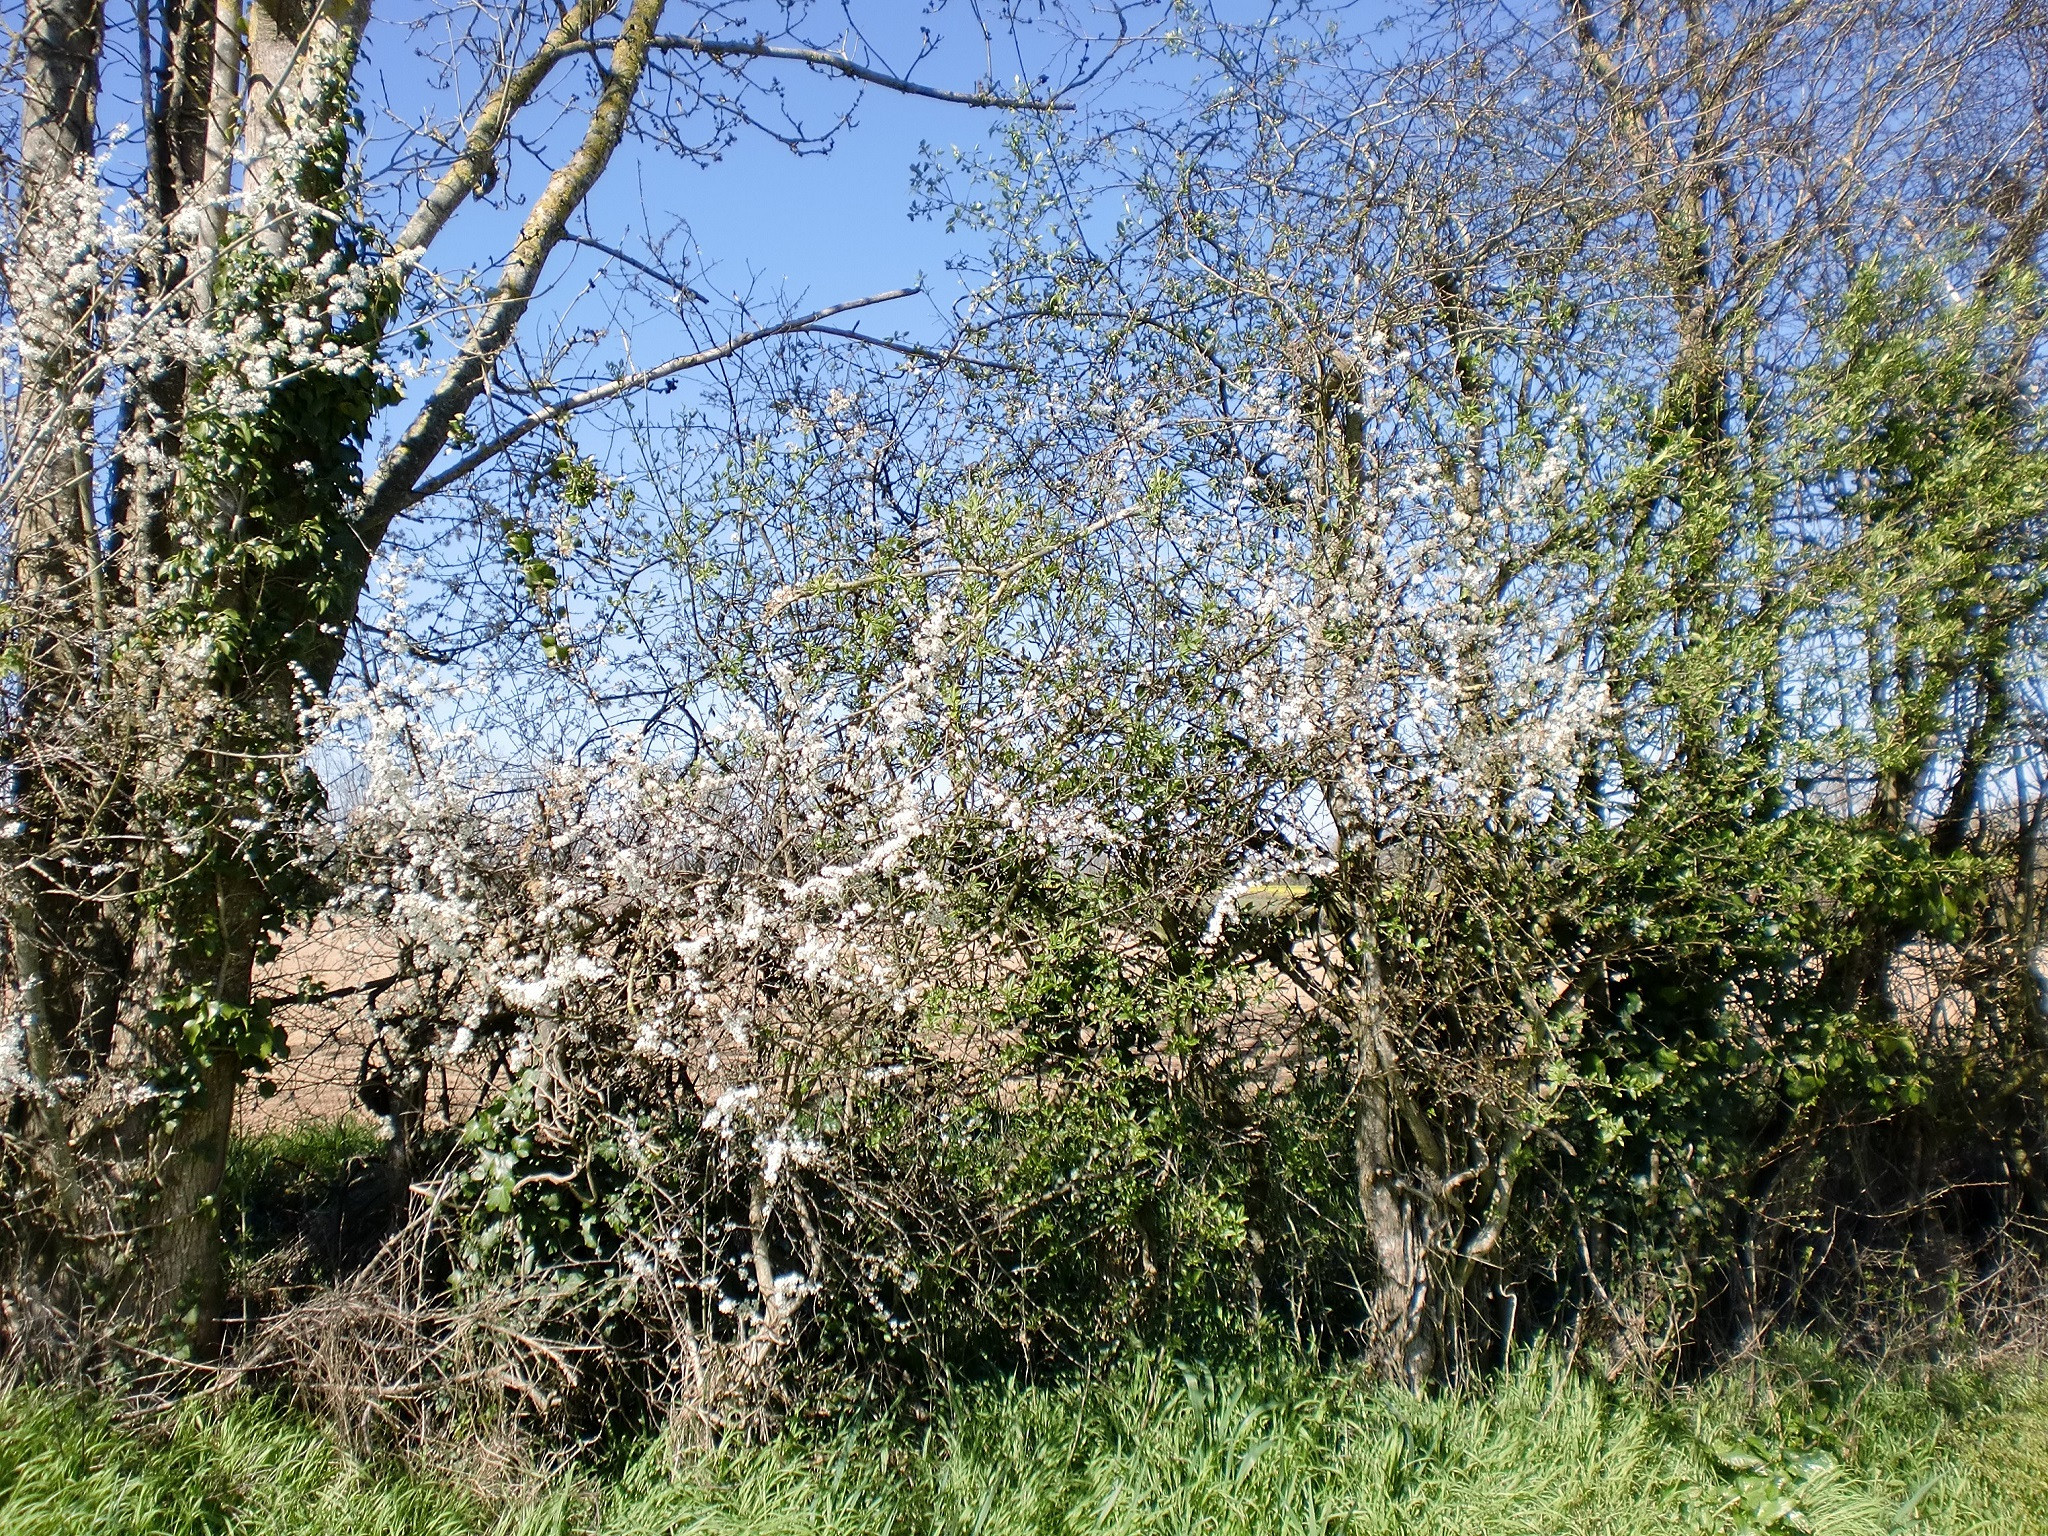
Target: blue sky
(827, 227)
(824, 228)
(769, 233)
(789, 232)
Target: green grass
(279, 1183)
(276, 1174)
(1808, 1445)
(308, 1154)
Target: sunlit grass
(1809, 1444)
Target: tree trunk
(1397, 1219)
(189, 1282)
(54, 549)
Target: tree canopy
(1423, 726)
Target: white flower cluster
(725, 938)
(104, 293)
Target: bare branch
(392, 486)
(836, 63)
(473, 167)
(645, 268)
(631, 382)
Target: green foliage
(1719, 1009)
(540, 1207)
(209, 1029)
(260, 574)
(1919, 428)
(270, 563)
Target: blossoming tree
(205, 317)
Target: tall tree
(192, 511)
(1526, 321)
